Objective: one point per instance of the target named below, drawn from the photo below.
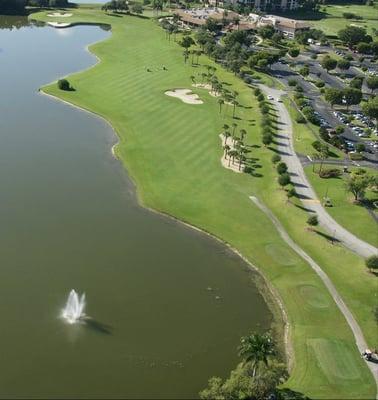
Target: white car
(270, 97)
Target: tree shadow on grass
(288, 394)
(302, 207)
(330, 238)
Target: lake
(168, 303)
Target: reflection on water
(70, 219)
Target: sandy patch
(59, 24)
(185, 95)
(57, 14)
(207, 87)
(227, 161)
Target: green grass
(333, 19)
(352, 216)
(172, 151)
(304, 136)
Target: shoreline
(273, 294)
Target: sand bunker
(57, 14)
(185, 95)
(207, 87)
(59, 24)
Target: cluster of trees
(18, 6)
(370, 108)
(236, 149)
(256, 377)
(348, 96)
(359, 182)
(267, 124)
(357, 37)
(116, 6)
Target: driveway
(302, 186)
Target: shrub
(292, 82)
(316, 145)
(313, 220)
(360, 147)
(300, 119)
(257, 92)
(265, 109)
(330, 173)
(276, 158)
(356, 156)
(319, 84)
(284, 179)
(267, 139)
(339, 129)
(372, 262)
(63, 84)
(260, 97)
(281, 168)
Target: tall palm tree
(256, 348)
(235, 104)
(193, 79)
(243, 133)
(226, 149)
(234, 126)
(199, 52)
(226, 135)
(220, 102)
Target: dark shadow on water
(98, 326)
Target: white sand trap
(59, 24)
(207, 87)
(185, 95)
(58, 14)
(227, 161)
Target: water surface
(70, 219)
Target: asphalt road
(283, 73)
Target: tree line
(18, 6)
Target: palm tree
(226, 149)
(235, 104)
(220, 102)
(203, 76)
(243, 132)
(232, 154)
(256, 348)
(226, 135)
(234, 126)
(199, 52)
(193, 79)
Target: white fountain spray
(74, 310)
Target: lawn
(304, 136)
(330, 18)
(353, 217)
(172, 151)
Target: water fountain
(73, 312)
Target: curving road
(285, 148)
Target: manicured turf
(172, 151)
(353, 217)
(333, 19)
(304, 136)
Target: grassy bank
(172, 150)
(353, 217)
(330, 18)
